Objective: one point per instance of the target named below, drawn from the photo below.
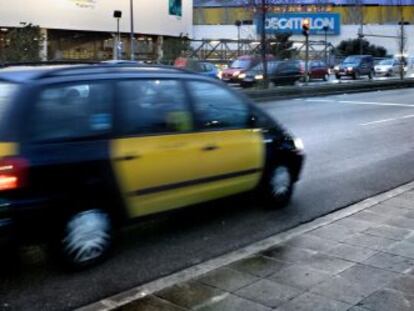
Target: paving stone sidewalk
(364, 262)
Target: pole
(118, 38)
(238, 40)
(263, 42)
(361, 29)
(326, 44)
(132, 30)
(307, 60)
(402, 44)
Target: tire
(326, 77)
(338, 77)
(356, 75)
(277, 186)
(371, 75)
(86, 239)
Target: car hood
(233, 70)
(383, 67)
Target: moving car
(388, 67)
(203, 68)
(318, 70)
(238, 67)
(86, 149)
(356, 66)
(209, 70)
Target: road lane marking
(409, 116)
(320, 100)
(374, 103)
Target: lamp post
(263, 43)
(132, 29)
(238, 24)
(305, 32)
(117, 15)
(326, 29)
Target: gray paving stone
(333, 232)
(190, 294)
(403, 284)
(151, 303)
(227, 279)
(370, 217)
(259, 266)
(370, 241)
(299, 276)
(400, 201)
(401, 222)
(232, 303)
(338, 288)
(387, 209)
(357, 308)
(356, 225)
(388, 300)
(351, 252)
(391, 262)
(312, 302)
(403, 248)
(410, 238)
(289, 254)
(389, 232)
(328, 264)
(310, 242)
(369, 277)
(269, 293)
(409, 214)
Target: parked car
(388, 67)
(318, 70)
(209, 70)
(240, 66)
(356, 66)
(86, 149)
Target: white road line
(374, 103)
(409, 116)
(320, 100)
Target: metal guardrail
(326, 89)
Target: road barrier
(279, 93)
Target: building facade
(87, 29)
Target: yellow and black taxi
(85, 149)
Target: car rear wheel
(278, 186)
(325, 77)
(87, 238)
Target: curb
(327, 89)
(126, 297)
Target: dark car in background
(318, 70)
(84, 150)
(356, 66)
(240, 66)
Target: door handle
(128, 157)
(210, 148)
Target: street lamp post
(132, 29)
(306, 31)
(117, 15)
(326, 29)
(263, 43)
(238, 25)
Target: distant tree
(281, 46)
(352, 47)
(175, 47)
(23, 44)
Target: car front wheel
(87, 238)
(278, 186)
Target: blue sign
(246, 3)
(292, 23)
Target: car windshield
(387, 62)
(352, 60)
(240, 64)
(6, 92)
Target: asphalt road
(357, 146)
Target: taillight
(13, 173)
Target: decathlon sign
(292, 23)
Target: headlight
(298, 144)
(236, 73)
(242, 76)
(220, 75)
(350, 68)
(258, 77)
(336, 68)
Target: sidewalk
(362, 259)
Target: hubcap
(281, 181)
(87, 236)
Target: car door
(156, 153)
(232, 156)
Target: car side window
(71, 111)
(151, 106)
(217, 107)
